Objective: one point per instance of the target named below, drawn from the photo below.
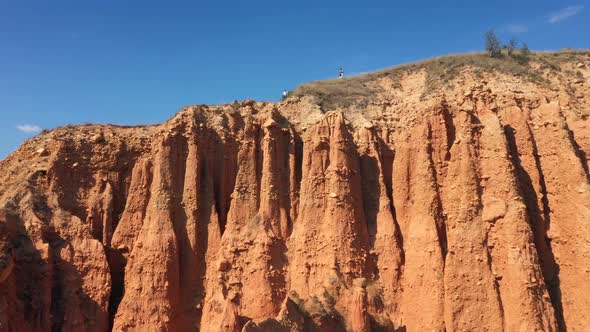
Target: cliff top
(441, 72)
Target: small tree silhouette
(511, 46)
(524, 50)
(524, 54)
(493, 45)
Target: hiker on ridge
(341, 73)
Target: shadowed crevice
(540, 220)
(579, 152)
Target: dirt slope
(448, 195)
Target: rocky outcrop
(466, 210)
(420, 216)
(289, 319)
(330, 243)
(565, 173)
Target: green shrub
(525, 52)
(511, 46)
(493, 45)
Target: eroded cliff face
(467, 210)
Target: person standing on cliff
(285, 93)
(341, 73)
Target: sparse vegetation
(493, 46)
(358, 90)
(525, 53)
(335, 93)
(512, 44)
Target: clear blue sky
(136, 62)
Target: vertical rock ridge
(135, 209)
(27, 275)
(568, 194)
(127, 230)
(81, 285)
(100, 211)
(581, 154)
(515, 265)
(10, 318)
(578, 132)
(382, 227)
(82, 312)
(208, 234)
(441, 137)
(526, 160)
(418, 210)
(225, 168)
(188, 235)
(331, 232)
(152, 273)
(295, 173)
(251, 266)
(468, 280)
(275, 196)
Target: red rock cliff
(463, 208)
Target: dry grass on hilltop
(440, 71)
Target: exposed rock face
(467, 211)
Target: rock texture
(462, 209)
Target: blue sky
(138, 62)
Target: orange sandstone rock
(463, 208)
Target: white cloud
(517, 28)
(29, 129)
(565, 13)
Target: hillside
(451, 194)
